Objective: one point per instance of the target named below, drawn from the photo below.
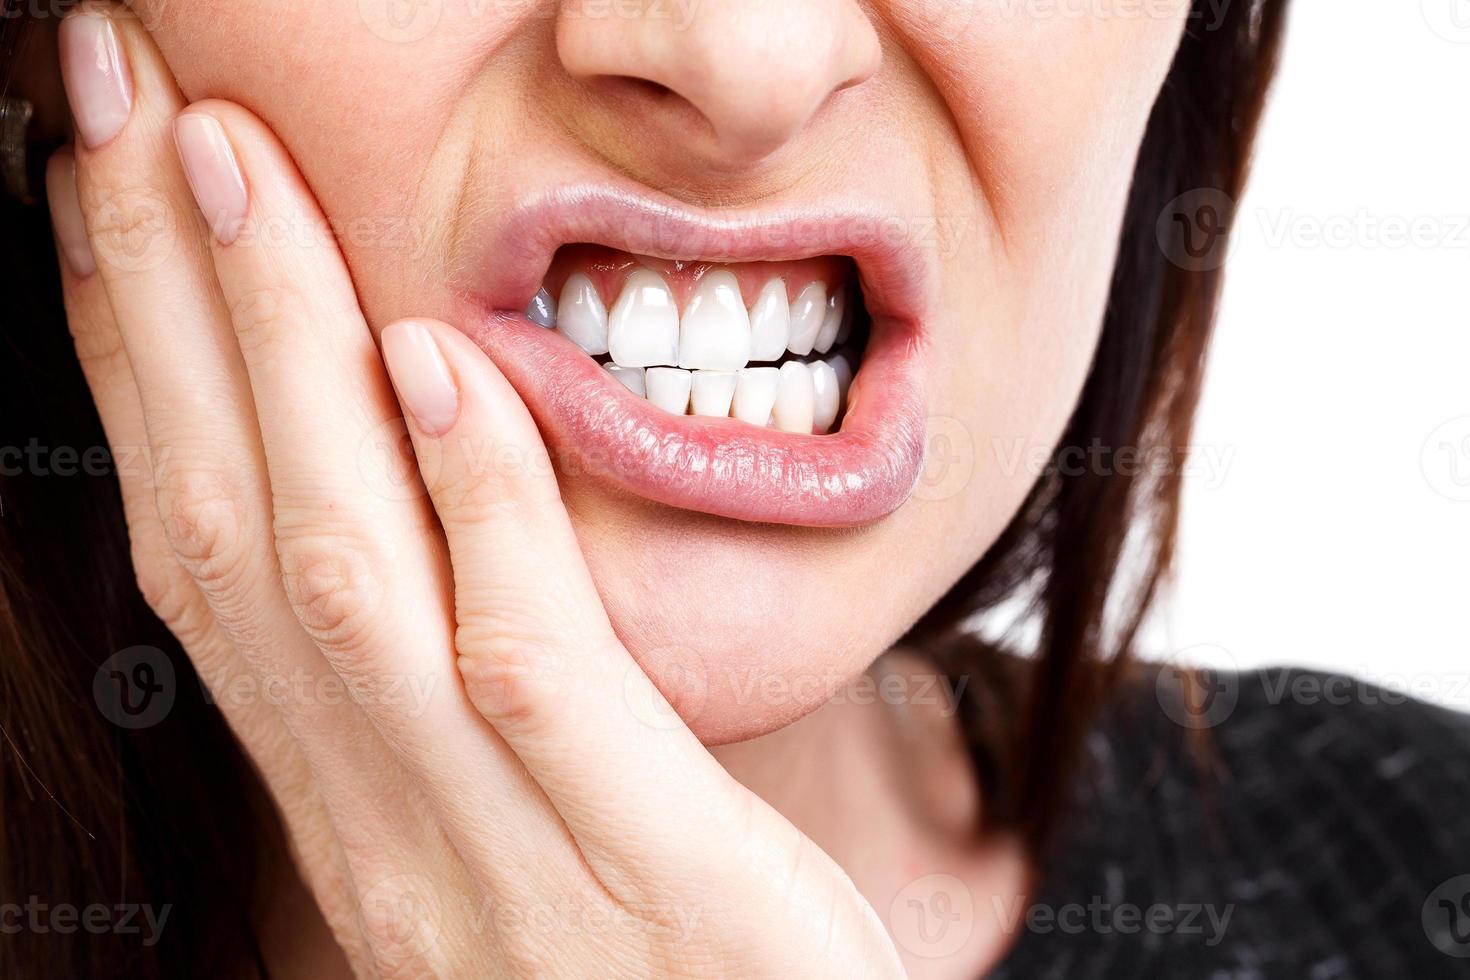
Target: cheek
(1032, 126)
(1050, 114)
(361, 114)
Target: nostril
(636, 94)
(649, 88)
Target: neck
(881, 779)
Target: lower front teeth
(795, 399)
(669, 389)
(826, 397)
(755, 394)
(713, 393)
(632, 379)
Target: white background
(1333, 529)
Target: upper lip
(717, 466)
(506, 266)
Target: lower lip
(594, 427)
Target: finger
(537, 653)
(167, 588)
(365, 571)
(210, 488)
(169, 591)
(155, 277)
(319, 394)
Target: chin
(745, 628)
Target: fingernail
(214, 174)
(95, 71)
(421, 376)
(66, 215)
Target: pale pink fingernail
(421, 376)
(214, 174)
(66, 215)
(95, 71)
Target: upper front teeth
(715, 332)
(643, 328)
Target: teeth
(807, 315)
(632, 379)
(826, 397)
(643, 330)
(542, 310)
(770, 323)
(713, 393)
(844, 374)
(715, 332)
(831, 323)
(844, 330)
(581, 317)
(755, 394)
(669, 388)
(795, 401)
(712, 343)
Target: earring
(15, 121)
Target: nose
(755, 71)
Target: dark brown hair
(1092, 545)
(172, 816)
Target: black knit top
(1319, 829)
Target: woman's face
(965, 162)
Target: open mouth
(771, 344)
(765, 369)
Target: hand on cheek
(493, 746)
